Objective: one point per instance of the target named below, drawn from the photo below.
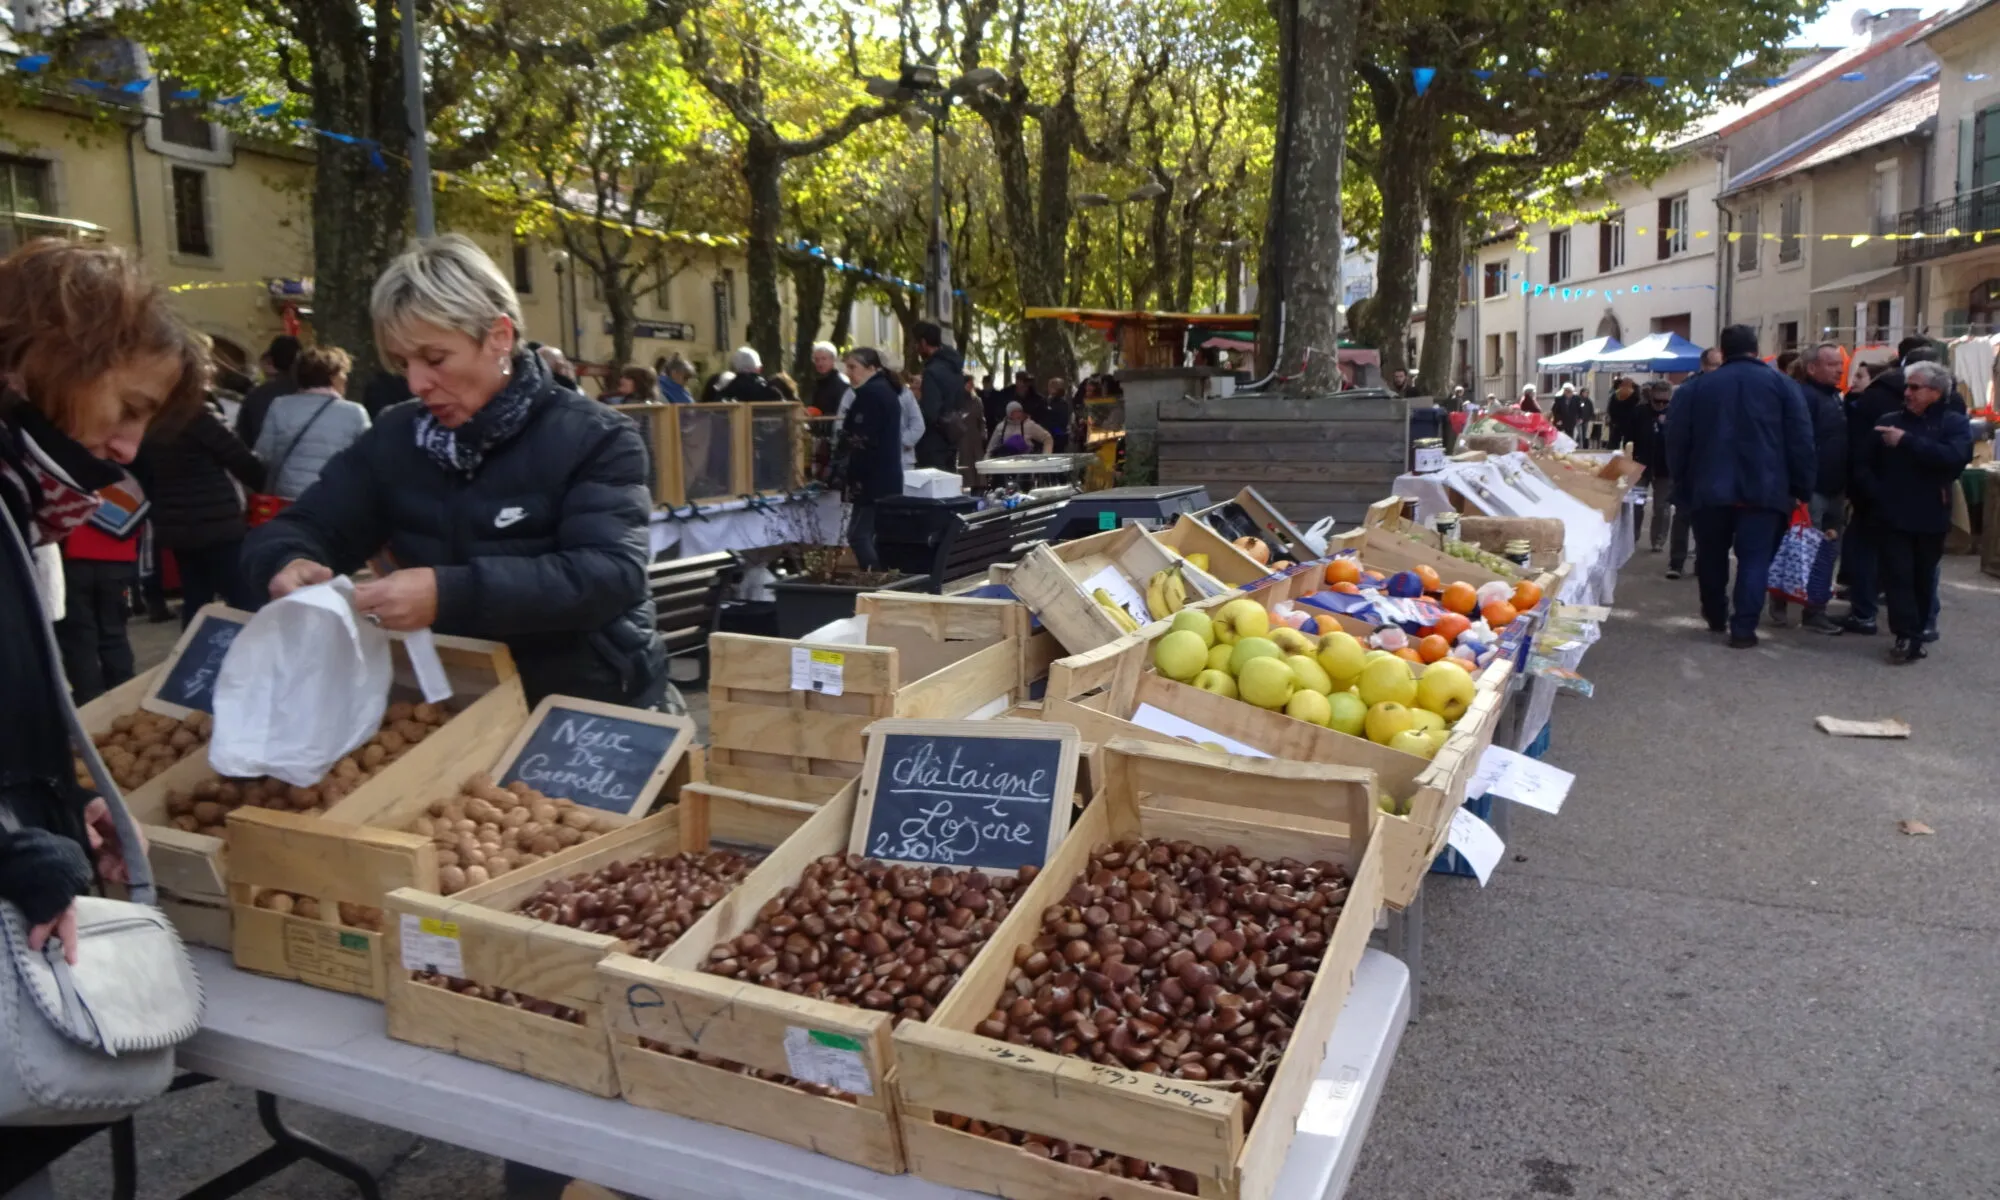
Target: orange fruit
(1527, 594)
(1433, 648)
(1410, 655)
(1461, 598)
(1499, 614)
(1343, 570)
(1430, 579)
(1450, 625)
(1348, 588)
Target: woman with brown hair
(90, 356)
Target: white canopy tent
(1582, 356)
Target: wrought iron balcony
(1961, 223)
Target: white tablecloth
(737, 526)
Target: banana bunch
(1116, 611)
(1166, 593)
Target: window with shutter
(1660, 228)
(1747, 245)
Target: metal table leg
(287, 1147)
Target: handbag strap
(278, 467)
(138, 869)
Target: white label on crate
(1121, 591)
(432, 945)
(817, 670)
(829, 1059)
(1329, 1108)
(1475, 840)
(1523, 780)
(424, 660)
(1161, 721)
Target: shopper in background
(276, 364)
(830, 387)
(100, 571)
(195, 468)
(637, 385)
(937, 398)
(305, 430)
(871, 434)
(1819, 383)
(508, 507)
(971, 433)
(1024, 393)
(1623, 411)
(1740, 454)
(1018, 433)
(1649, 450)
(1914, 459)
(1712, 358)
(786, 387)
(1865, 409)
(1061, 413)
(557, 362)
(674, 381)
(1528, 402)
(90, 355)
(746, 380)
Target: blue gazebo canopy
(1660, 353)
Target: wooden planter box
(1310, 458)
(927, 656)
(1264, 808)
(189, 867)
(1050, 581)
(709, 453)
(1101, 691)
(501, 948)
(671, 1001)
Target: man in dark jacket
(277, 365)
(197, 511)
(1649, 450)
(944, 370)
(1914, 457)
(829, 387)
(1865, 409)
(1740, 453)
(1821, 373)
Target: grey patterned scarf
(464, 448)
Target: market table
(329, 1050)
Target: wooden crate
(1101, 691)
(1050, 581)
(671, 1001)
(189, 867)
(927, 656)
(1606, 495)
(502, 948)
(1226, 563)
(1264, 807)
(1273, 524)
(1310, 458)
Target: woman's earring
(506, 367)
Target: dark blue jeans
(1753, 534)
(1858, 554)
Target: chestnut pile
(860, 932)
(486, 831)
(140, 745)
(205, 808)
(1172, 959)
(648, 902)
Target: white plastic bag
(305, 683)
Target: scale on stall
(1154, 506)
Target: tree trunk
(1302, 242)
(1401, 168)
(843, 308)
(762, 172)
(809, 292)
(1037, 232)
(1162, 267)
(1445, 209)
(623, 309)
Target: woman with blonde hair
(510, 507)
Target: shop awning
(1855, 280)
(1660, 353)
(1583, 354)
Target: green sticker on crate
(1106, 519)
(353, 941)
(839, 1041)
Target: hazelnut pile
(205, 807)
(648, 902)
(355, 916)
(1168, 958)
(860, 932)
(140, 745)
(486, 831)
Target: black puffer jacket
(1865, 410)
(187, 473)
(1829, 418)
(544, 548)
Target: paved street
(1721, 973)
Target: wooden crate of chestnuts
(1152, 1014)
(719, 1029)
(505, 972)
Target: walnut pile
(206, 807)
(486, 831)
(140, 745)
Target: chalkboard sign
(989, 794)
(599, 755)
(187, 681)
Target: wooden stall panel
(1310, 458)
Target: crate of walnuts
(1150, 1017)
(505, 971)
(308, 888)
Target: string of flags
(1571, 294)
(38, 64)
(1421, 78)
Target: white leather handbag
(94, 1041)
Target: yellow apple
(1340, 654)
(1218, 656)
(1311, 675)
(1266, 682)
(1196, 622)
(1219, 682)
(1180, 655)
(1411, 741)
(1386, 720)
(1291, 641)
(1428, 721)
(1247, 648)
(1387, 679)
(1241, 618)
(1445, 689)
(1308, 705)
(1350, 716)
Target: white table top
(329, 1050)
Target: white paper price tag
(829, 1059)
(1521, 779)
(1476, 842)
(817, 670)
(432, 945)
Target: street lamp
(1150, 190)
(918, 84)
